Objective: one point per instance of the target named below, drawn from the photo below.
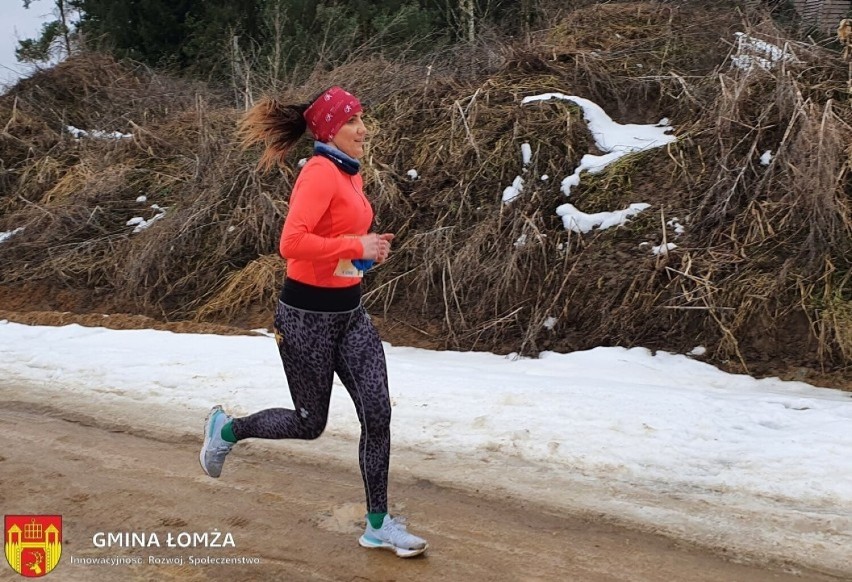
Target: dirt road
(300, 521)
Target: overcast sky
(18, 23)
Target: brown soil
(301, 520)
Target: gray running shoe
(215, 448)
(393, 536)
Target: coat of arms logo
(33, 543)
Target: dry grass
(761, 275)
(255, 284)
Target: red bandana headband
(330, 111)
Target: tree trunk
(467, 18)
(66, 29)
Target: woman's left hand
(384, 250)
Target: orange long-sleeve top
(328, 210)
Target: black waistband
(311, 298)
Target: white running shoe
(215, 448)
(393, 536)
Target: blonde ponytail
(277, 127)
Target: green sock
(228, 433)
(376, 519)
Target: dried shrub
(760, 276)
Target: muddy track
(301, 519)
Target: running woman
(320, 325)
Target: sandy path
(301, 520)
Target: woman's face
(350, 138)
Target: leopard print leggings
(313, 346)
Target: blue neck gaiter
(341, 160)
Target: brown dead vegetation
(760, 276)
